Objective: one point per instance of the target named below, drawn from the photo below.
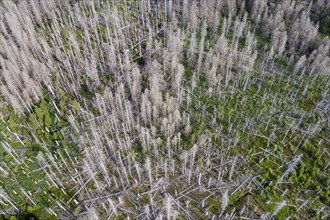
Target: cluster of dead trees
(140, 63)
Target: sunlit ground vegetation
(174, 109)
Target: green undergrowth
(40, 132)
(283, 113)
